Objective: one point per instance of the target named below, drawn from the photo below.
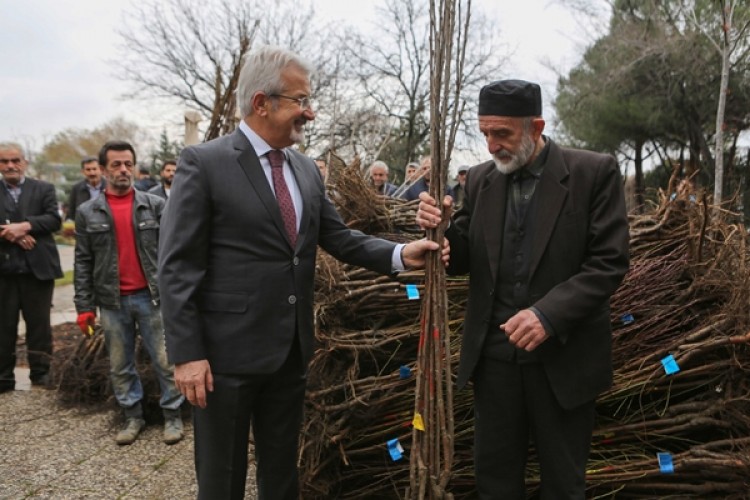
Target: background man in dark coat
(237, 262)
(89, 188)
(166, 174)
(543, 234)
(29, 265)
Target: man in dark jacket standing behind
(29, 265)
(87, 189)
(543, 234)
(117, 237)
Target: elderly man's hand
(429, 215)
(524, 330)
(16, 232)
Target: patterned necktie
(276, 158)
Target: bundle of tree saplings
(676, 422)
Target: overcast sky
(57, 71)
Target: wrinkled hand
(27, 242)
(86, 322)
(194, 380)
(414, 254)
(524, 330)
(429, 215)
(18, 233)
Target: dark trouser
(274, 404)
(23, 293)
(513, 402)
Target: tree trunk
(640, 183)
(726, 50)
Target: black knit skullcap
(510, 98)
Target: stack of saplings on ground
(676, 422)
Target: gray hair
(378, 163)
(5, 146)
(261, 72)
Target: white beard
(507, 163)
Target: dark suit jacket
(233, 289)
(159, 191)
(79, 193)
(419, 187)
(580, 255)
(38, 205)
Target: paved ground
(50, 452)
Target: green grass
(67, 279)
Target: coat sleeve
(83, 268)
(605, 260)
(183, 256)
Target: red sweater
(132, 278)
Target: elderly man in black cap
(543, 234)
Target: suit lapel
(551, 194)
(27, 193)
(250, 165)
(492, 195)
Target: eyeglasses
(304, 102)
(14, 161)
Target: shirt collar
(9, 187)
(260, 146)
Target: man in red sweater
(117, 239)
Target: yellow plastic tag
(418, 423)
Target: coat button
(292, 299)
(295, 261)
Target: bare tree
(390, 67)
(191, 51)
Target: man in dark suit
(237, 261)
(168, 168)
(87, 189)
(543, 234)
(29, 265)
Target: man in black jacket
(87, 189)
(167, 175)
(543, 234)
(29, 265)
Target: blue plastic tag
(404, 371)
(627, 319)
(670, 365)
(395, 449)
(412, 292)
(665, 463)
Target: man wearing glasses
(29, 265)
(237, 279)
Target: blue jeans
(119, 336)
